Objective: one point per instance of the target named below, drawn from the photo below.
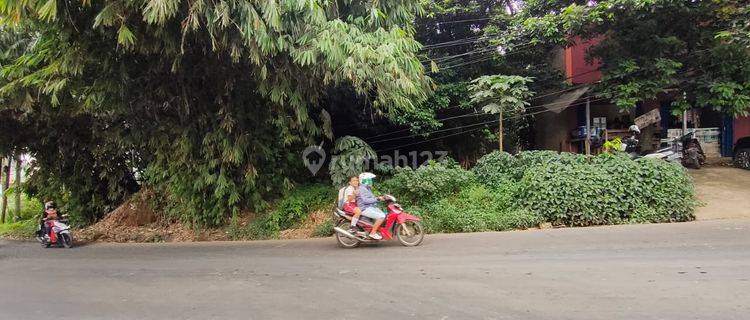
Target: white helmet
(634, 128)
(366, 178)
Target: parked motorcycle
(57, 233)
(685, 149)
(692, 152)
(405, 227)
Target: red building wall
(741, 127)
(577, 71)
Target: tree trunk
(500, 131)
(6, 184)
(17, 215)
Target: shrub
(610, 189)
(528, 159)
(495, 168)
(428, 182)
(30, 207)
(324, 229)
(569, 194)
(19, 230)
(288, 210)
(477, 208)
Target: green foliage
(23, 229)
(428, 182)
(208, 103)
(478, 208)
(31, 207)
(289, 210)
(500, 93)
(729, 96)
(656, 46)
(324, 229)
(633, 81)
(508, 192)
(611, 189)
(496, 169)
(351, 155)
(613, 145)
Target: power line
(474, 51)
(476, 113)
(492, 121)
(483, 50)
(460, 21)
(483, 126)
(534, 98)
(566, 105)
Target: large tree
(211, 102)
(697, 50)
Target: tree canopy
(205, 101)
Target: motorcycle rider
(367, 203)
(49, 213)
(632, 143)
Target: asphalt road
(698, 270)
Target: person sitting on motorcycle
(632, 143)
(367, 202)
(49, 213)
(350, 202)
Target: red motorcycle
(405, 227)
(57, 233)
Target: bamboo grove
(203, 101)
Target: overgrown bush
(496, 167)
(505, 192)
(288, 210)
(19, 230)
(478, 208)
(610, 189)
(30, 207)
(324, 229)
(428, 182)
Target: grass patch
(24, 229)
(288, 211)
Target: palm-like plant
(501, 94)
(350, 157)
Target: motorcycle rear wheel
(343, 240)
(410, 233)
(66, 239)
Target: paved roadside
(696, 270)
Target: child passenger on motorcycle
(350, 204)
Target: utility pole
(684, 122)
(17, 192)
(588, 125)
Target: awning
(563, 101)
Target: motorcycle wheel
(67, 240)
(693, 163)
(742, 159)
(345, 241)
(410, 233)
